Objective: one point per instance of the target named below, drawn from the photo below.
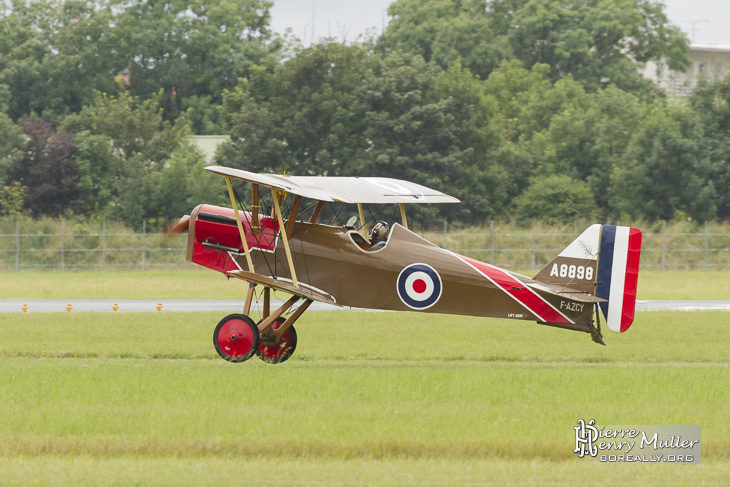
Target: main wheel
(281, 352)
(236, 338)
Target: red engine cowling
(213, 235)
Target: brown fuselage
(408, 274)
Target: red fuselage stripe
(518, 290)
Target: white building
(709, 61)
(208, 144)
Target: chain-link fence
(102, 247)
(97, 248)
(532, 248)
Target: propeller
(180, 226)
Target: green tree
(189, 48)
(22, 73)
(134, 165)
(555, 199)
(305, 117)
(12, 145)
(664, 171)
(588, 138)
(711, 103)
(447, 31)
(135, 126)
(99, 170)
(48, 170)
(12, 200)
(53, 55)
(598, 42)
(84, 57)
(341, 110)
(12, 148)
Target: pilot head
(379, 233)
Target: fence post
(664, 246)
(144, 243)
(532, 265)
(103, 246)
(181, 256)
(491, 233)
(707, 248)
(63, 256)
(445, 234)
(17, 246)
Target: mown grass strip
(54, 471)
(112, 446)
(204, 284)
(655, 337)
(345, 410)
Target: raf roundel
(419, 286)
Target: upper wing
(343, 189)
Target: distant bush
(555, 199)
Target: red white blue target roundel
(419, 286)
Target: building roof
(207, 144)
(710, 47)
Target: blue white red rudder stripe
(618, 274)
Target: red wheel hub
(236, 338)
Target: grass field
(202, 283)
(368, 398)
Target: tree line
(523, 109)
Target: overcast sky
(314, 19)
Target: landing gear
(236, 338)
(271, 352)
(273, 339)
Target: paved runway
(233, 306)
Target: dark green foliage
(503, 104)
(555, 199)
(595, 41)
(663, 170)
(53, 55)
(340, 110)
(134, 165)
(48, 170)
(711, 103)
(191, 48)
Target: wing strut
(240, 226)
(284, 237)
(317, 210)
(403, 215)
(363, 225)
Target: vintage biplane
(279, 243)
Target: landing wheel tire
(281, 352)
(236, 338)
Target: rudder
(618, 275)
